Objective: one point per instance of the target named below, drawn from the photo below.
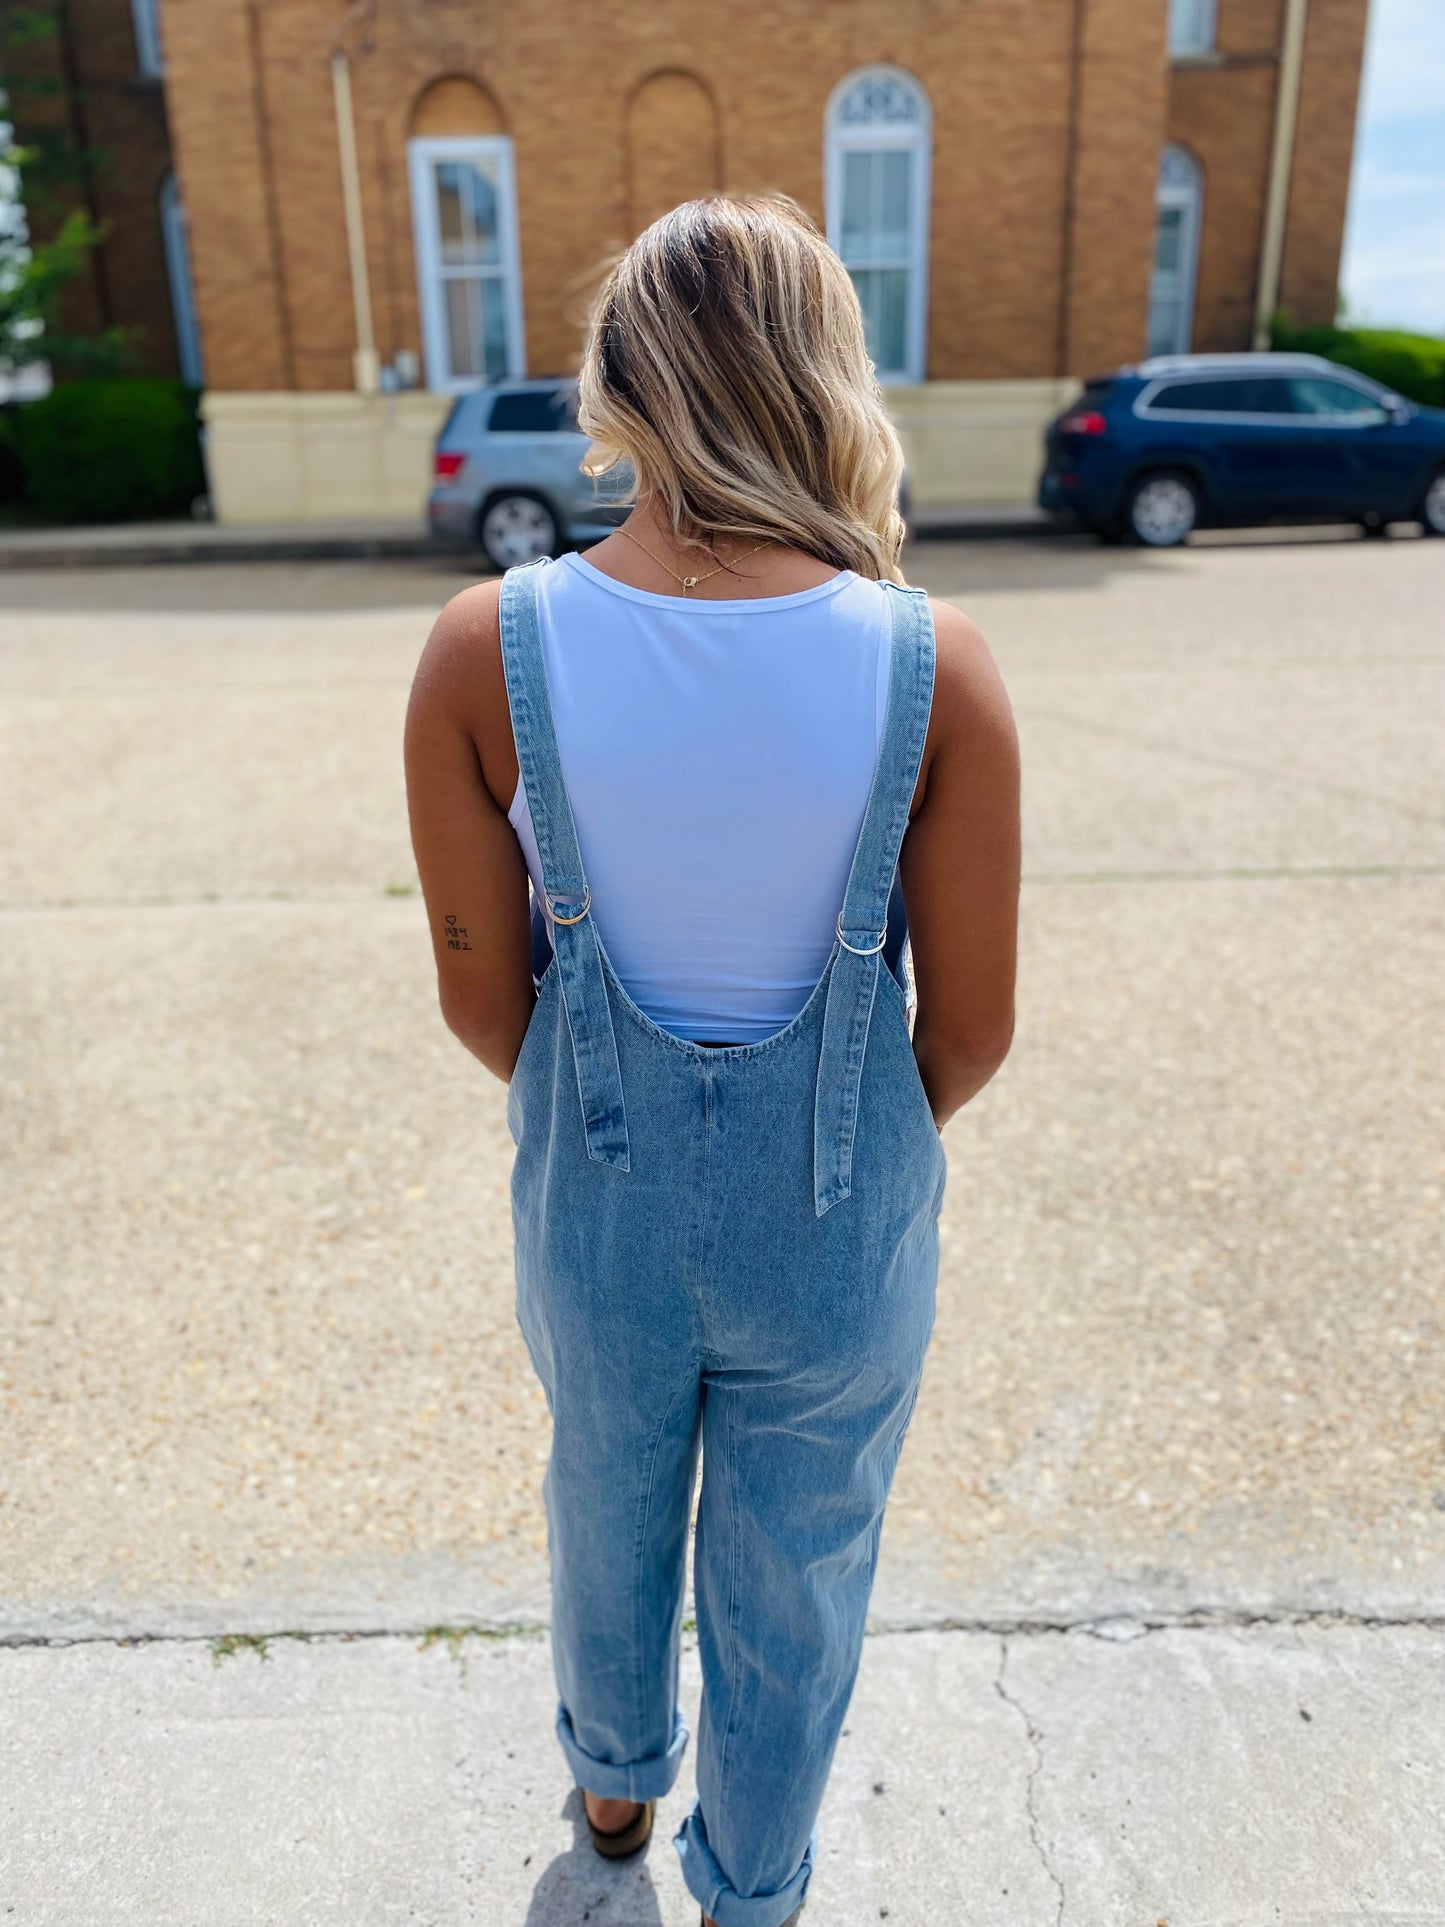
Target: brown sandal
(629, 1839)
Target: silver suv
(508, 475)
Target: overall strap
(567, 904)
(863, 920)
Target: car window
(1238, 395)
(1322, 395)
(1271, 395)
(531, 411)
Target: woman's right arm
(960, 871)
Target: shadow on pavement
(580, 1885)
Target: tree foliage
(46, 236)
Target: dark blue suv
(1197, 441)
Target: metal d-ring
(873, 952)
(586, 906)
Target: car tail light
(1085, 421)
(448, 466)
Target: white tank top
(718, 758)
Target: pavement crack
(1034, 1734)
(1113, 1627)
(1126, 1625)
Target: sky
(1393, 271)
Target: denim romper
(734, 1248)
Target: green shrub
(116, 450)
(12, 476)
(1412, 365)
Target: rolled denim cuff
(709, 1887)
(647, 1779)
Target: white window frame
(1192, 28)
(422, 157)
(1188, 194)
(917, 137)
(145, 19)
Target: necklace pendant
(690, 582)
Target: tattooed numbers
(456, 935)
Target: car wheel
(1432, 508)
(515, 529)
(1162, 509)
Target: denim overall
(733, 1247)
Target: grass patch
(229, 1644)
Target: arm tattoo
(456, 935)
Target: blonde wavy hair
(726, 361)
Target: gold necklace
(690, 582)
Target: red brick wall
(1324, 143)
(735, 95)
(1224, 114)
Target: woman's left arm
(473, 873)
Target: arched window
(464, 227)
(877, 155)
(178, 273)
(465, 223)
(1178, 199)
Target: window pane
(883, 295)
(1206, 397)
(463, 329)
(1163, 336)
(875, 98)
(1271, 396)
(876, 183)
(451, 215)
(529, 411)
(467, 213)
(1167, 240)
(1191, 26)
(1319, 395)
(494, 328)
(480, 186)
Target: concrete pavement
(261, 1374)
(1027, 1780)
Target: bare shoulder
(970, 704)
(467, 632)
(460, 682)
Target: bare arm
(473, 873)
(960, 871)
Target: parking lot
(261, 1367)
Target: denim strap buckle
(867, 950)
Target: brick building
(392, 200)
(84, 81)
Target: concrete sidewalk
(146, 544)
(1103, 1777)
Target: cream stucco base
(320, 458)
(329, 457)
(973, 443)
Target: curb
(188, 543)
(151, 551)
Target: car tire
(1162, 510)
(516, 528)
(1432, 505)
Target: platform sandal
(629, 1839)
